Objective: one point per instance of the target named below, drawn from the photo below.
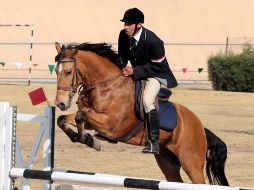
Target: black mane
(102, 49)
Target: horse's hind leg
(192, 156)
(193, 166)
(169, 165)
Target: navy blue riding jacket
(149, 60)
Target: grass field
(229, 115)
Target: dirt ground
(229, 115)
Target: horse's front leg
(64, 122)
(80, 120)
(83, 137)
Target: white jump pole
(111, 180)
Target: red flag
(184, 70)
(37, 96)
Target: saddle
(166, 110)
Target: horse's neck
(97, 69)
(120, 102)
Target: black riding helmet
(133, 16)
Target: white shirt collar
(137, 35)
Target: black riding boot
(152, 146)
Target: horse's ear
(58, 47)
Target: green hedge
(231, 72)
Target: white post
(48, 147)
(9, 145)
(3, 106)
(30, 56)
(7, 136)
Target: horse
(106, 105)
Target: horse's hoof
(74, 139)
(92, 142)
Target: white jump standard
(10, 153)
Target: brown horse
(106, 104)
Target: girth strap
(139, 125)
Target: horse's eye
(68, 72)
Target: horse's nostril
(61, 106)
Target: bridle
(84, 89)
(74, 85)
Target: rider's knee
(148, 104)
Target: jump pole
(113, 180)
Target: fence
(9, 152)
(188, 61)
(27, 28)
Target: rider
(146, 53)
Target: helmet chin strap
(136, 29)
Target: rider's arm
(123, 48)
(155, 65)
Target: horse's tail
(216, 156)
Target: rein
(84, 91)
